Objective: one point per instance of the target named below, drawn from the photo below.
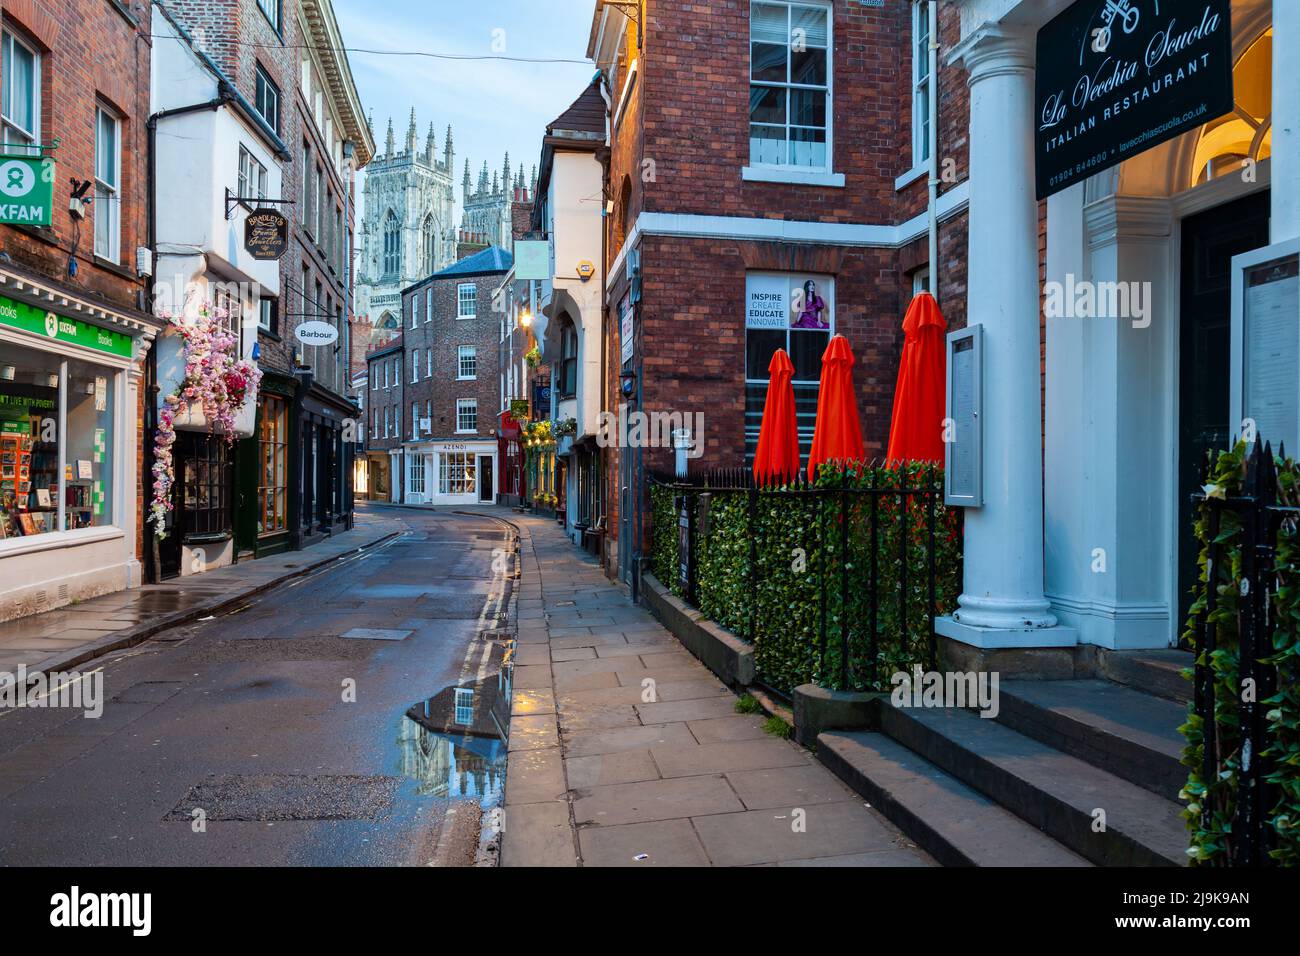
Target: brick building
(451, 391)
(74, 327)
(384, 404)
(767, 174)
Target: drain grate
(277, 797)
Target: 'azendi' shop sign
(20, 315)
(1117, 77)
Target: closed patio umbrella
(777, 458)
(838, 437)
(916, 433)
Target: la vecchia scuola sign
(1117, 77)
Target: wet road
(291, 740)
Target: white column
(1286, 121)
(1002, 604)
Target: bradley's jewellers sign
(1116, 77)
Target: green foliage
(768, 568)
(748, 704)
(1212, 803)
(778, 728)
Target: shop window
(456, 475)
(273, 488)
(466, 362)
(20, 95)
(205, 485)
(45, 468)
(789, 93)
(267, 98)
(795, 312)
(1245, 134)
(466, 300)
(466, 415)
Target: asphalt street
(282, 733)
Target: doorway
(1209, 241)
(485, 485)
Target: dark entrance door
(485, 486)
(200, 498)
(1210, 240)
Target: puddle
(454, 744)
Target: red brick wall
(444, 334)
(89, 53)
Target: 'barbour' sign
(1117, 77)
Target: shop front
(69, 410)
(322, 465)
(264, 494)
(451, 473)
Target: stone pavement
(626, 751)
(63, 638)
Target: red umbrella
(778, 440)
(916, 433)
(838, 437)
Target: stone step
(1059, 794)
(1158, 672)
(953, 823)
(1117, 729)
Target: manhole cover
(275, 797)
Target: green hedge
(764, 579)
(1211, 835)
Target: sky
(493, 105)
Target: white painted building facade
(1104, 561)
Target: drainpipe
(604, 308)
(933, 14)
(348, 450)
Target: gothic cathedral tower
(408, 230)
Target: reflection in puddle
(454, 744)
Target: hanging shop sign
(27, 190)
(20, 315)
(316, 333)
(266, 234)
(1117, 77)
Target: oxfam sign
(316, 333)
(26, 190)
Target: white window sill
(31, 544)
(802, 177)
(911, 176)
(467, 378)
(461, 431)
(461, 318)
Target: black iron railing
(836, 582)
(1234, 625)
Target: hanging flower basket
(216, 383)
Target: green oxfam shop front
(70, 380)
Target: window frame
(462, 299)
(466, 405)
(415, 366)
(273, 17)
(108, 196)
(463, 352)
(262, 82)
(278, 442)
(8, 38)
(921, 84)
(826, 169)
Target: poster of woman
(807, 308)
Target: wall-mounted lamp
(526, 319)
